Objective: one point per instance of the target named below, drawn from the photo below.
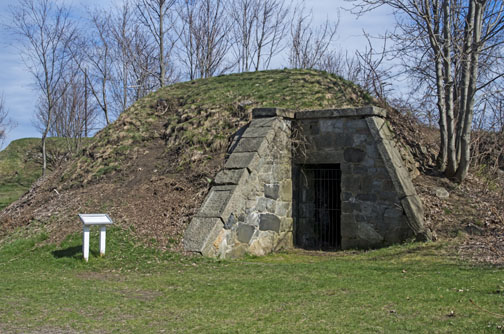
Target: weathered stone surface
(348, 112)
(257, 132)
(262, 122)
(244, 232)
(284, 241)
(201, 234)
(286, 224)
(414, 211)
(379, 204)
(216, 201)
(263, 244)
(265, 204)
(354, 154)
(283, 209)
(250, 145)
(272, 190)
(367, 236)
(241, 160)
(231, 176)
(269, 222)
(286, 190)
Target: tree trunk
(465, 144)
(451, 168)
(162, 69)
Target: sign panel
(95, 219)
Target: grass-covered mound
(152, 167)
(21, 165)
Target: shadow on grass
(71, 252)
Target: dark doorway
(318, 223)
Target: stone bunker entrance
(317, 202)
(321, 179)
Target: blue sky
(16, 83)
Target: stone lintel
(201, 233)
(367, 111)
(272, 112)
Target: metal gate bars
(323, 184)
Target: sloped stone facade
(256, 204)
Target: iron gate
(323, 184)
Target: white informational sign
(95, 219)
(88, 220)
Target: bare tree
(259, 27)
(5, 123)
(94, 55)
(157, 16)
(123, 31)
(309, 46)
(455, 46)
(204, 37)
(47, 31)
(73, 116)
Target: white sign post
(88, 220)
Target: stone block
(345, 112)
(286, 190)
(390, 158)
(216, 202)
(257, 132)
(283, 209)
(252, 218)
(283, 241)
(286, 224)
(354, 154)
(366, 197)
(262, 122)
(265, 204)
(269, 222)
(367, 237)
(272, 190)
(251, 145)
(282, 171)
(242, 160)
(414, 212)
(201, 234)
(331, 125)
(231, 176)
(244, 232)
(263, 244)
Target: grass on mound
(21, 165)
(413, 288)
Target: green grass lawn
(414, 288)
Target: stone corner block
(413, 208)
(241, 160)
(216, 202)
(231, 176)
(201, 234)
